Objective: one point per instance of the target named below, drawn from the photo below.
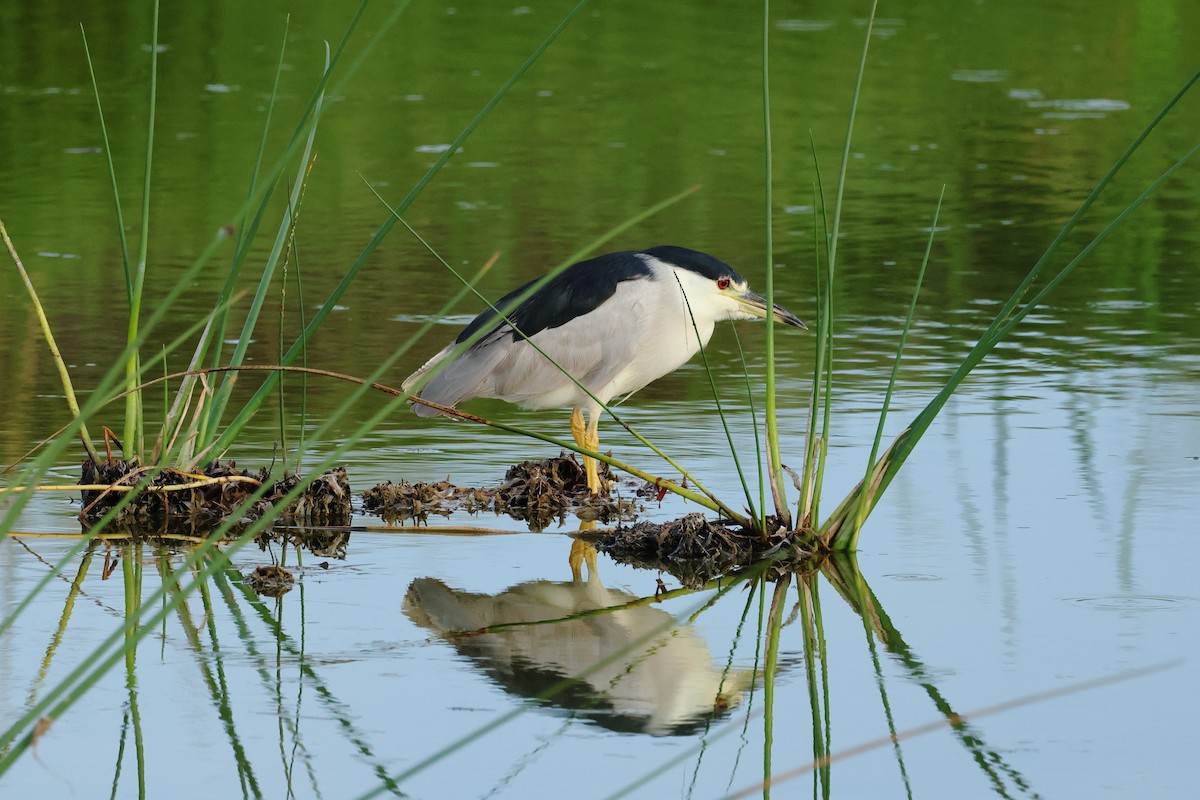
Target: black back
(581, 288)
(577, 290)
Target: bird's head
(715, 290)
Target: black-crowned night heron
(615, 323)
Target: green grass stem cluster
(196, 570)
(841, 530)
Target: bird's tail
(424, 393)
(466, 377)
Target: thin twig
(123, 487)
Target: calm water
(1042, 534)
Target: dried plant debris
(270, 581)
(696, 550)
(326, 501)
(320, 542)
(538, 492)
(170, 500)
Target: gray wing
(595, 348)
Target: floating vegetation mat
(537, 492)
(696, 550)
(270, 581)
(170, 500)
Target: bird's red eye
(722, 283)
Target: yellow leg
(588, 437)
(592, 442)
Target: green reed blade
(835, 232)
(282, 236)
(737, 462)
(52, 452)
(246, 234)
(112, 170)
(758, 460)
(851, 542)
(64, 374)
(133, 401)
(261, 192)
(835, 530)
(223, 442)
(1021, 290)
(774, 459)
(821, 394)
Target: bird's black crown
(701, 263)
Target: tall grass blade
(174, 420)
(282, 236)
(53, 451)
(851, 541)
(822, 378)
(73, 593)
(133, 400)
(116, 781)
(883, 695)
(912, 307)
(840, 188)
(81, 679)
(64, 374)
(758, 460)
(774, 460)
(217, 684)
(260, 192)
(842, 571)
(737, 462)
(226, 438)
(825, 338)
(112, 172)
(725, 673)
(302, 425)
(1003, 315)
(291, 252)
(867, 492)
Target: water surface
(1042, 534)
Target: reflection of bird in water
(666, 685)
(615, 323)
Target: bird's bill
(755, 305)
